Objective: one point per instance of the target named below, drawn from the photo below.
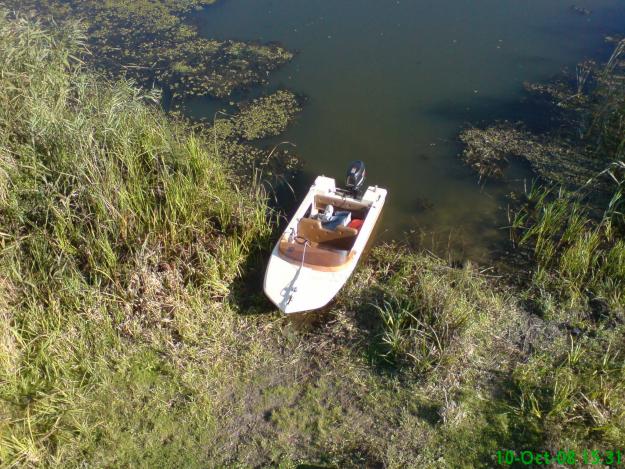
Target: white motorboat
(321, 245)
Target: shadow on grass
(503, 427)
(371, 327)
(247, 290)
(247, 293)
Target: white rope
(301, 266)
(306, 243)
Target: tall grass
(114, 223)
(576, 242)
(571, 390)
(426, 307)
(578, 256)
(607, 113)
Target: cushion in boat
(356, 223)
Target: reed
(572, 390)
(606, 126)
(578, 256)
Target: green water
(392, 83)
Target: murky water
(392, 83)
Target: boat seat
(313, 231)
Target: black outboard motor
(355, 178)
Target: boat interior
(323, 246)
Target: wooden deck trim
(284, 244)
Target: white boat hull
(295, 286)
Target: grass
(578, 257)
(571, 390)
(422, 315)
(116, 224)
(567, 393)
(606, 124)
(575, 237)
(450, 341)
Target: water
(393, 82)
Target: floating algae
(152, 42)
(574, 154)
(267, 116)
(487, 152)
(264, 117)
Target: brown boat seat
(313, 231)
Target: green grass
(119, 229)
(422, 315)
(571, 389)
(124, 242)
(578, 258)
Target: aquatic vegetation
(572, 232)
(579, 257)
(264, 117)
(579, 281)
(125, 233)
(555, 160)
(267, 116)
(575, 237)
(591, 137)
(153, 42)
(606, 122)
(122, 233)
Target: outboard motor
(355, 178)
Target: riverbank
(132, 333)
(124, 237)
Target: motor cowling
(355, 176)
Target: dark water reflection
(392, 82)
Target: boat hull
(295, 286)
